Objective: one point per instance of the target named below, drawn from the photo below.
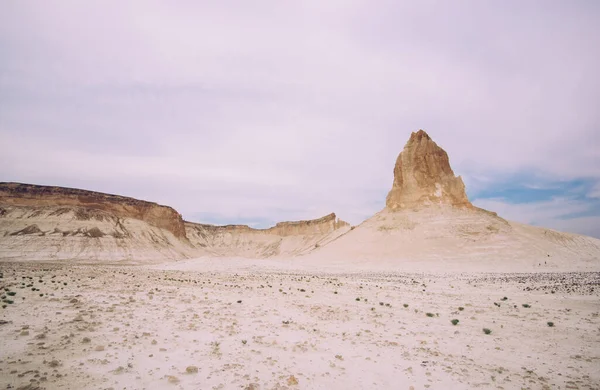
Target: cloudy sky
(255, 112)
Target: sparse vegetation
(455, 322)
(526, 305)
(216, 347)
(550, 323)
(430, 314)
(405, 305)
(461, 308)
(487, 331)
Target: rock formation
(423, 176)
(285, 238)
(29, 195)
(55, 223)
(427, 218)
(428, 221)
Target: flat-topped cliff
(285, 238)
(56, 223)
(325, 224)
(30, 195)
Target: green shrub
(454, 322)
(430, 314)
(487, 331)
(550, 323)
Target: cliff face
(285, 238)
(322, 225)
(55, 223)
(423, 176)
(88, 202)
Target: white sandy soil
(257, 324)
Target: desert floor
(162, 327)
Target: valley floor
(134, 327)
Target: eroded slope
(284, 239)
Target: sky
(265, 111)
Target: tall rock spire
(423, 176)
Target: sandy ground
(192, 325)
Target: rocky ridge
(29, 195)
(41, 223)
(285, 238)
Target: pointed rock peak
(419, 135)
(423, 176)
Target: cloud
(293, 110)
(563, 214)
(595, 191)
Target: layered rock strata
(90, 202)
